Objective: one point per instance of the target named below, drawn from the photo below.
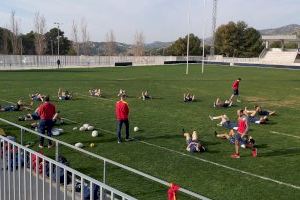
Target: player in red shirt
(172, 191)
(46, 111)
(241, 134)
(122, 112)
(235, 89)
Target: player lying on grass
(222, 104)
(30, 116)
(225, 121)
(193, 144)
(37, 97)
(95, 92)
(254, 118)
(240, 134)
(122, 93)
(145, 95)
(64, 94)
(263, 112)
(188, 97)
(246, 142)
(19, 106)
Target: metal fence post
(56, 151)
(104, 172)
(22, 131)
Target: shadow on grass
(158, 137)
(281, 152)
(262, 146)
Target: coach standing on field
(46, 112)
(235, 89)
(122, 112)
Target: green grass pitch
(161, 121)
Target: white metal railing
(105, 160)
(23, 178)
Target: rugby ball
(79, 145)
(136, 129)
(90, 128)
(82, 128)
(55, 132)
(85, 126)
(95, 133)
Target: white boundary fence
(16, 62)
(22, 178)
(103, 159)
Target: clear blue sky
(160, 20)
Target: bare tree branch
(75, 36)
(14, 27)
(139, 44)
(40, 29)
(110, 46)
(85, 37)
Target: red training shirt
(172, 192)
(242, 125)
(235, 85)
(46, 111)
(122, 110)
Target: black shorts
(236, 92)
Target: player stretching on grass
(225, 121)
(241, 134)
(235, 88)
(192, 142)
(19, 106)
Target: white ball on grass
(82, 128)
(90, 128)
(85, 126)
(136, 129)
(95, 133)
(75, 128)
(79, 145)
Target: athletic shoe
(50, 146)
(119, 142)
(216, 133)
(128, 139)
(210, 117)
(21, 118)
(41, 147)
(239, 101)
(254, 152)
(235, 155)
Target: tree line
(42, 42)
(232, 40)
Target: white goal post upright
(203, 39)
(188, 38)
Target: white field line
(100, 98)
(285, 134)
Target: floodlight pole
(188, 40)
(203, 42)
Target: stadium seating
(279, 56)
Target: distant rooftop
(280, 37)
